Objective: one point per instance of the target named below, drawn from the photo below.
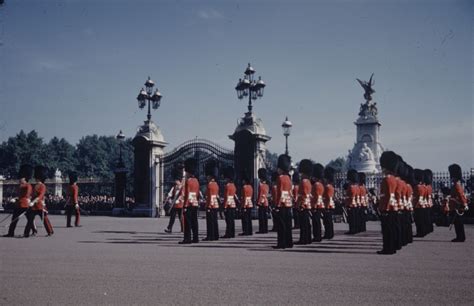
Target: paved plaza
(132, 261)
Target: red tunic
(72, 194)
(295, 193)
(40, 191)
(362, 196)
(283, 195)
(247, 193)
(191, 192)
(262, 195)
(328, 197)
(458, 198)
(212, 194)
(387, 194)
(304, 198)
(318, 192)
(24, 195)
(418, 196)
(352, 195)
(229, 195)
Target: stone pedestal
(148, 177)
(58, 186)
(365, 155)
(249, 149)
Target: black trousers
(328, 224)
(263, 219)
(17, 211)
(388, 221)
(409, 220)
(351, 219)
(247, 221)
(458, 226)
(230, 222)
(30, 215)
(305, 226)
(363, 219)
(398, 231)
(296, 219)
(317, 214)
(70, 209)
(285, 238)
(174, 211)
(191, 224)
(418, 216)
(275, 222)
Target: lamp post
(120, 137)
(153, 98)
(248, 87)
(286, 125)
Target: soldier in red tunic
(317, 203)
(428, 180)
(262, 201)
(419, 203)
(273, 202)
(363, 201)
(191, 202)
(457, 202)
(229, 202)
(176, 196)
(295, 211)
(24, 197)
(329, 205)
(246, 205)
(72, 201)
(37, 206)
(304, 201)
(387, 203)
(212, 201)
(283, 203)
(352, 196)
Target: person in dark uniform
(212, 201)
(37, 207)
(262, 201)
(72, 201)
(24, 197)
(191, 202)
(175, 196)
(229, 202)
(409, 180)
(304, 201)
(387, 202)
(246, 205)
(317, 203)
(329, 205)
(428, 180)
(399, 191)
(457, 202)
(419, 203)
(352, 195)
(284, 203)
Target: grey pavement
(132, 261)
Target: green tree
(60, 155)
(339, 164)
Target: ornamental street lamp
(147, 94)
(286, 125)
(120, 137)
(248, 87)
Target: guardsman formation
(306, 201)
(31, 201)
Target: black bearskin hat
(229, 173)
(296, 177)
(262, 174)
(72, 177)
(427, 176)
(305, 167)
(211, 169)
(329, 174)
(410, 175)
(362, 178)
(190, 165)
(352, 176)
(284, 163)
(389, 161)
(26, 172)
(455, 172)
(40, 173)
(178, 172)
(401, 168)
(245, 177)
(318, 171)
(418, 174)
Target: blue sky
(74, 68)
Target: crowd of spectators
(87, 202)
